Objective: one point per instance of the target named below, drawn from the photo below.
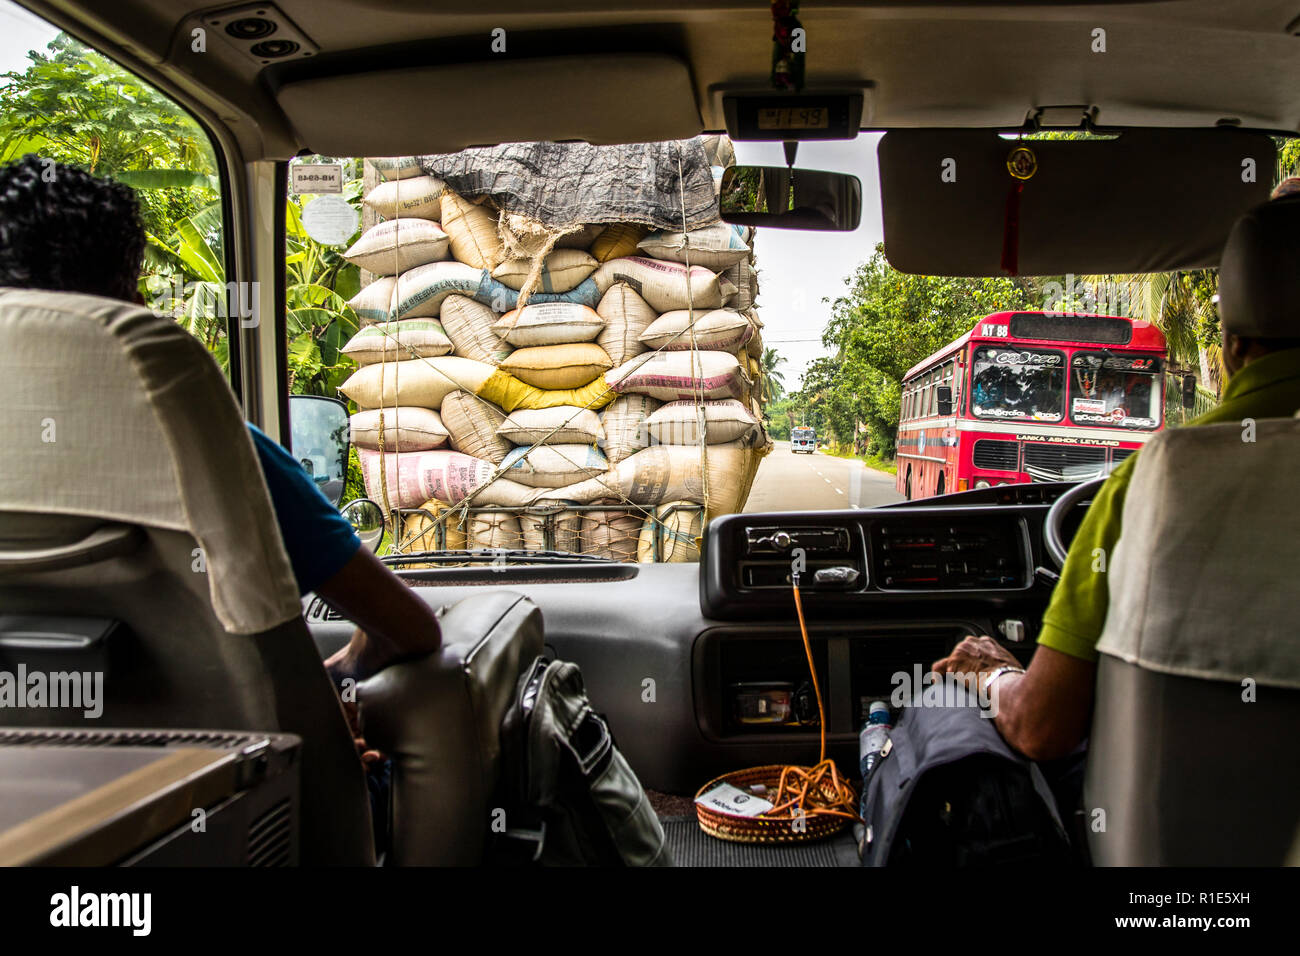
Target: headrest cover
(117, 413)
(1259, 274)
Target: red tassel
(1011, 230)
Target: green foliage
(773, 380)
(77, 107)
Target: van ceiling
(1184, 62)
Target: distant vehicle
(1030, 396)
(803, 439)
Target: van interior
(1154, 126)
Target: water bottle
(871, 741)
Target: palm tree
(773, 381)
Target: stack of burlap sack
(598, 388)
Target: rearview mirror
(319, 438)
(944, 399)
(367, 520)
(785, 198)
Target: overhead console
(849, 558)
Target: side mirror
(319, 437)
(1189, 392)
(367, 520)
(786, 198)
(944, 399)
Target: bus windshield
(1023, 384)
(1119, 391)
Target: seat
(1194, 754)
(439, 718)
(134, 520)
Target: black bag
(950, 793)
(569, 796)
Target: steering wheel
(1053, 541)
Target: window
(1023, 384)
(1118, 391)
(66, 103)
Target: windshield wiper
(488, 555)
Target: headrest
(1259, 273)
(114, 412)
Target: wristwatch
(998, 672)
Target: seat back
(439, 719)
(1194, 755)
(137, 541)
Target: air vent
(273, 49)
(270, 837)
(250, 28)
(994, 455)
(260, 31)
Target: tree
(78, 107)
(773, 380)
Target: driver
(1044, 712)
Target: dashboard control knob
(782, 540)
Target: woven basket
(780, 829)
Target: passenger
(64, 230)
(1044, 713)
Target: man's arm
(1043, 713)
(393, 622)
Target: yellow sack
(503, 389)
(617, 241)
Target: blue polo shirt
(318, 539)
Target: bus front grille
(1046, 462)
(995, 455)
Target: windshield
(1118, 391)
(1019, 384)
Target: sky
(796, 268)
(20, 32)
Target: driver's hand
(975, 655)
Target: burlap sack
(472, 424)
(626, 316)
(469, 326)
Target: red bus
(1030, 396)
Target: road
(790, 482)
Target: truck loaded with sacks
(559, 349)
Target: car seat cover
(115, 412)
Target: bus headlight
(983, 483)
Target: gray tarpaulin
(564, 184)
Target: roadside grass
(877, 462)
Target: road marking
(838, 492)
(827, 480)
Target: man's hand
(975, 655)
(358, 659)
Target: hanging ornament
(787, 46)
(1021, 164)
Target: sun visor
(599, 98)
(1145, 201)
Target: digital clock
(785, 117)
(794, 116)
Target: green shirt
(1268, 387)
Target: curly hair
(65, 230)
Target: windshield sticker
(1093, 405)
(1005, 357)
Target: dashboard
(701, 668)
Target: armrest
(439, 719)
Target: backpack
(569, 796)
(949, 792)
